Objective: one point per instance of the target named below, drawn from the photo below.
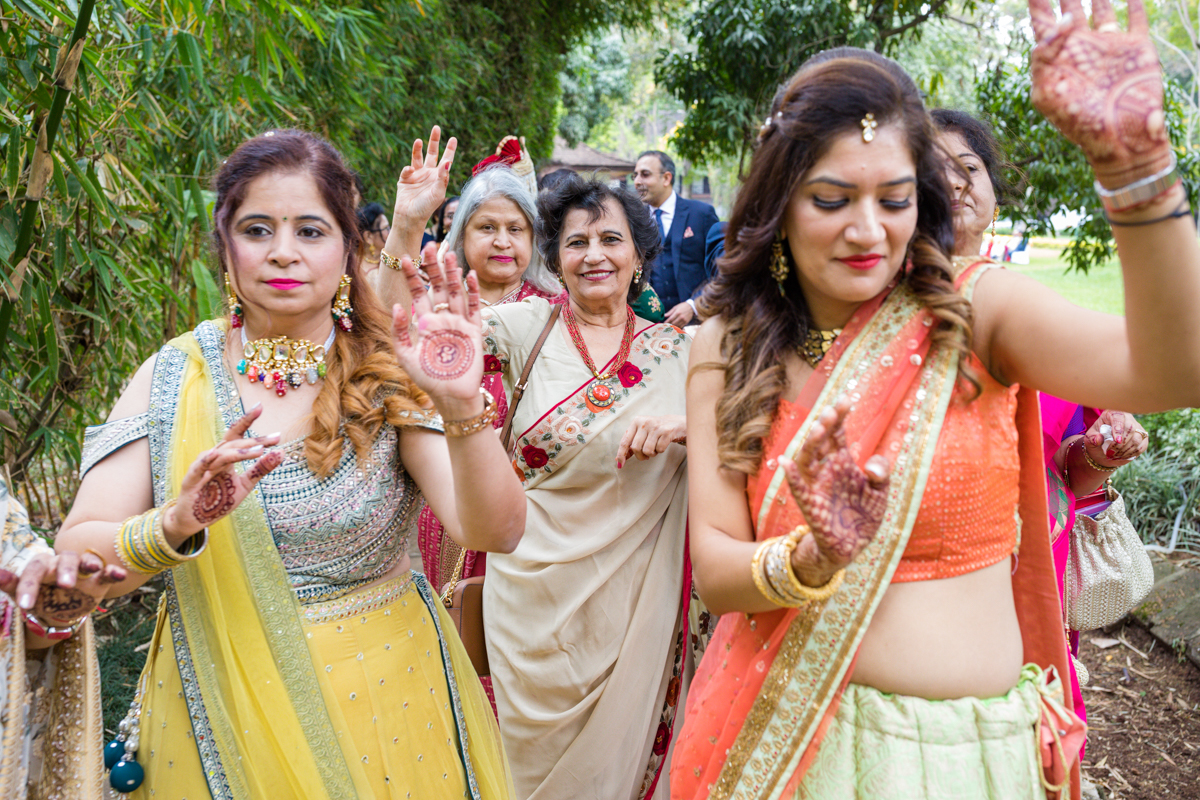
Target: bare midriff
(944, 639)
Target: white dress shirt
(668, 209)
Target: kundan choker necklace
(599, 392)
(816, 345)
(279, 362)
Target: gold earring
(637, 274)
(235, 307)
(995, 216)
(779, 264)
(341, 305)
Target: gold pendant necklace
(278, 362)
(816, 345)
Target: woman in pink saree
(924, 660)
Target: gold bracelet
(475, 424)
(391, 262)
(784, 576)
(760, 577)
(142, 546)
(1092, 462)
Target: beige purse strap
(519, 389)
(505, 435)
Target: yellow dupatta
(258, 720)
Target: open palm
(421, 187)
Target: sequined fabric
(968, 517)
(347, 530)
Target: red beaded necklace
(599, 393)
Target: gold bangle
(759, 576)
(1092, 462)
(783, 576)
(391, 262)
(767, 561)
(475, 424)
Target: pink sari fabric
(430, 534)
(1060, 420)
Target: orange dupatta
(770, 683)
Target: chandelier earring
(235, 306)
(995, 216)
(637, 274)
(779, 264)
(341, 305)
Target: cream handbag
(1108, 571)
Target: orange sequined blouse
(968, 516)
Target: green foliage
(743, 50)
(1161, 491)
(120, 259)
(1174, 434)
(596, 78)
(1053, 173)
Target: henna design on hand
(1104, 92)
(264, 465)
(215, 499)
(63, 606)
(447, 354)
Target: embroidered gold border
(819, 640)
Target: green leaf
(12, 174)
(208, 296)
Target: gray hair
(500, 181)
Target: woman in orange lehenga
(922, 661)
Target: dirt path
(1143, 706)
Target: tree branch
(914, 22)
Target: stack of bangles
(143, 548)
(772, 571)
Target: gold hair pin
(869, 125)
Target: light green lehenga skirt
(884, 746)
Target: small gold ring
(441, 307)
(1108, 27)
(103, 560)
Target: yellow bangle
(777, 580)
(766, 561)
(142, 546)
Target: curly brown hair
(826, 98)
(364, 387)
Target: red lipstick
(863, 262)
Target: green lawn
(1100, 289)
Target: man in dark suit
(680, 273)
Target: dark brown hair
(982, 142)
(828, 97)
(574, 192)
(364, 386)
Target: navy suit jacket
(687, 252)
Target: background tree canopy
(118, 260)
(743, 50)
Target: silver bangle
(1140, 191)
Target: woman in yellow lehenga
(296, 653)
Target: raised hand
(842, 503)
(422, 185)
(442, 347)
(1101, 87)
(61, 589)
(212, 487)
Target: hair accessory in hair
(511, 153)
(869, 125)
(769, 123)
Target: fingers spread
(435, 138)
(418, 156)
(454, 292)
(1041, 14)
(30, 581)
(473, 304)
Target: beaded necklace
(599, 392)
(278, 362)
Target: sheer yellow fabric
(348, 698)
